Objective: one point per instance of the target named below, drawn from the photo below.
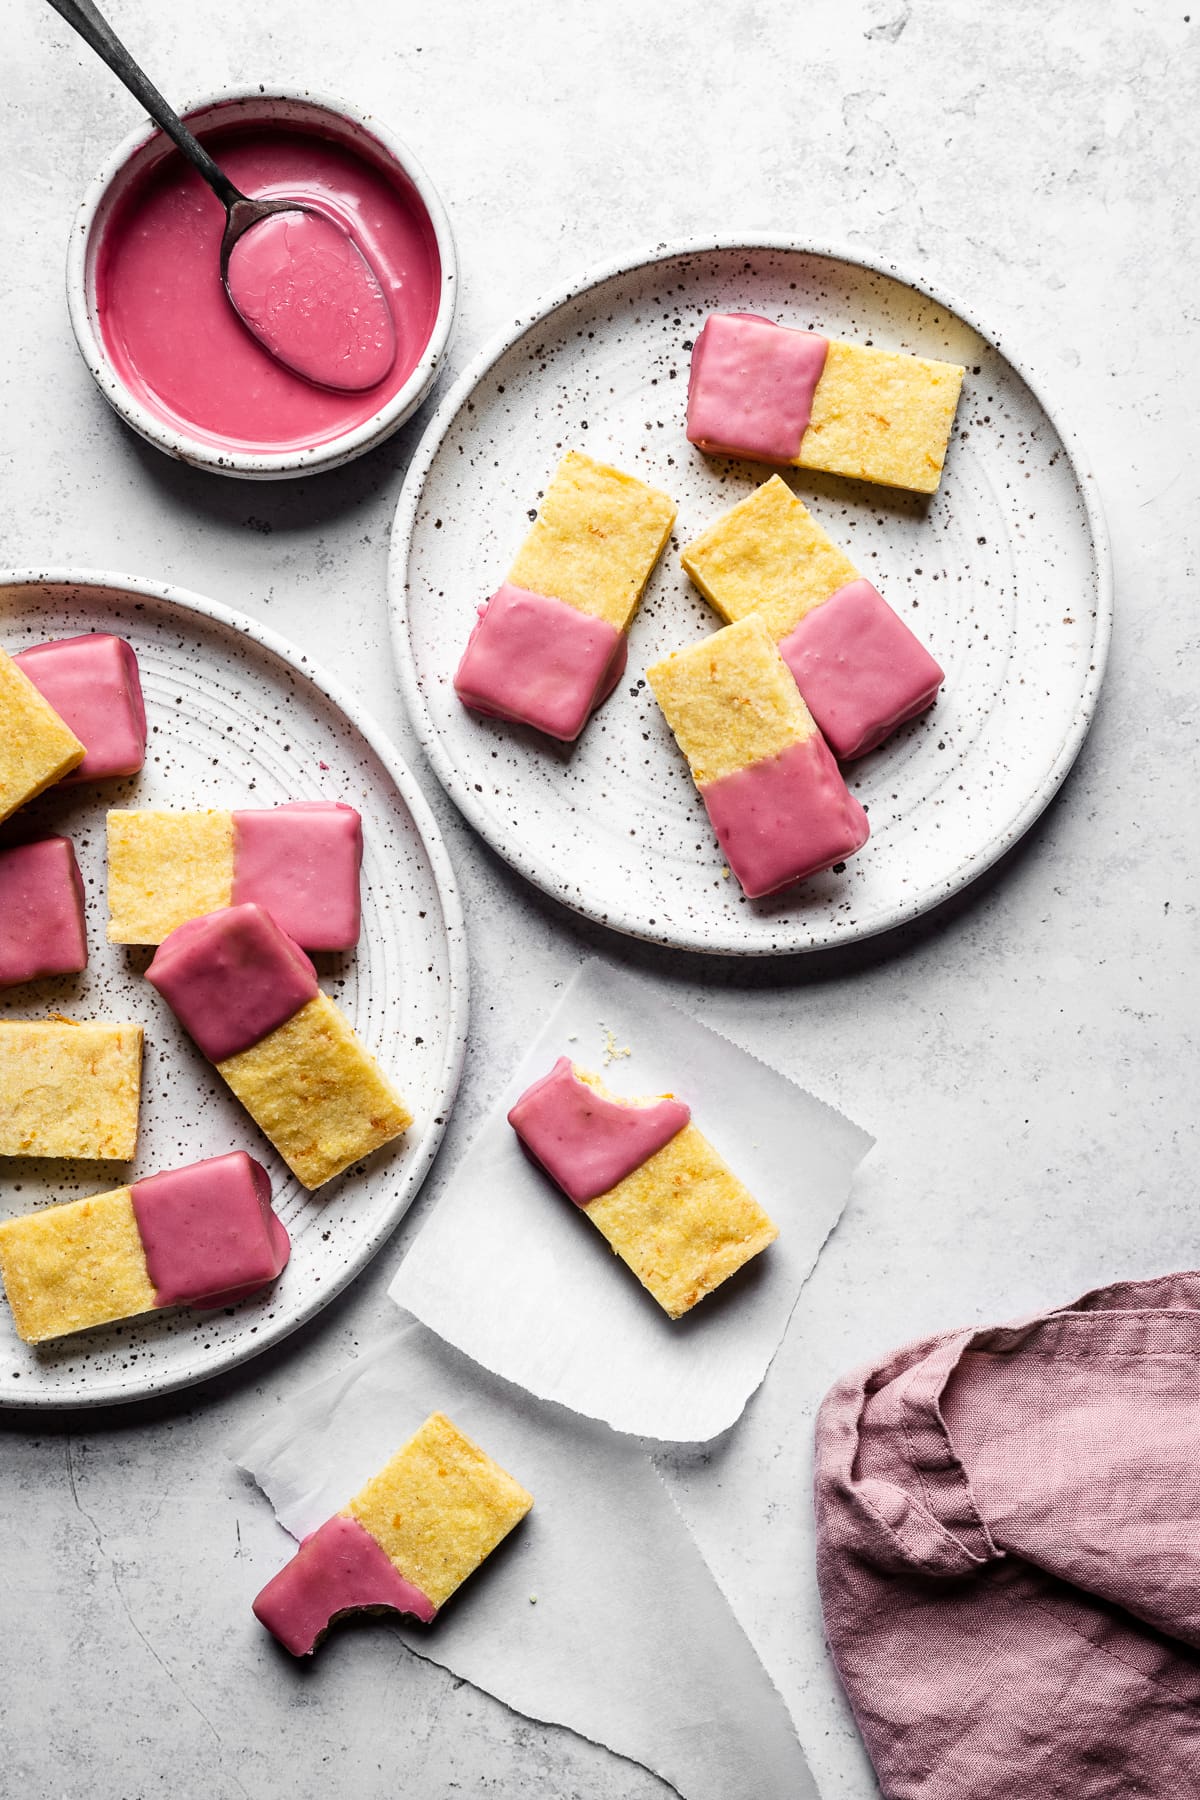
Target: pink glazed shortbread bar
(648, 1179)
(550, 644)
(204, 1235)
(776, 798)
(404, 1543)
(37, 748)
(245, 992)
(861, 671)
(42, 929)
(301, 861)
(773, 394)
(94, 685)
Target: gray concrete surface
(1026, 1058)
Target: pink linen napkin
(1008, 1552)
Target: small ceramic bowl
(330, 118)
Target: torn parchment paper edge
(590, 1585)
(592, 1340)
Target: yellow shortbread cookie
(767, 555)
(730, 700)
(36, 747)
(439, 1507)
(682, 1221)
(165, 868)
(882, 416)
(72, 1266)
(597, 538)
(320, 1097)
(69, 1089)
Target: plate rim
(458, 787)
(188, 602)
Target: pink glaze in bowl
(303, 429)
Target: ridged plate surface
(238, 718)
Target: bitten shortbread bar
(36, 747)
(773, 394)
(42, 929)
(405, 1542)
(550, 644)
(248, 995)
(69, 1089)
(861, 671)
(204, 1235)
(774, 794)
(301, 861)
(648, 1179)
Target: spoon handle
(94, 29)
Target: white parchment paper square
(598, 1612)
(507, 1269)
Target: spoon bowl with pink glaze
(293, 274)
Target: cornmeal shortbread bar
(405, 1542)
(36, 747)
(648, 1179)
(775, 796)
(94, 685)
(773, 394)
(550, 644)
(69, 1089)
(861, 671)
(201, 1235)
(301, 861)
(42, 929)
(248, 995)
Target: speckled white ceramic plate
(1004, 574)
(238, 718)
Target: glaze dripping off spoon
(292, 272)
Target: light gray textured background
(1026, 1059)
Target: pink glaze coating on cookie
(860, 669)
(42, 929)
(539, 662)
(304, 288)
(751, 387)
(586, 1142)
(338, 1568)
(93, 684)
(208, 1231)
(301, 861)
(231, 977)
(785, 817)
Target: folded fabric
(1009, 1554)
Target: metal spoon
(242, 214)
